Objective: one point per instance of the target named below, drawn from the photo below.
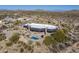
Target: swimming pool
(35, 37)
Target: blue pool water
(34, 37)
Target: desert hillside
(14, 38)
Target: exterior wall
(51, 30)
(37, 29)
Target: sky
(40, 7)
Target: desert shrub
(20, 42)
(23, 44)
(6, 51)
(29, 48)
(49, 40)
(60, 36)
(49, 22)
(2, 36)
(57, 37)
(9, 44)
(14, 38)
(30, 42)
(17, 22)
(66, 26)
(21, 50)
(38, 44)
(66, 30)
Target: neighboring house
(40, 27)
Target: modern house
(40, 27)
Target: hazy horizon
(40, 7)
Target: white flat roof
(35, 25)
